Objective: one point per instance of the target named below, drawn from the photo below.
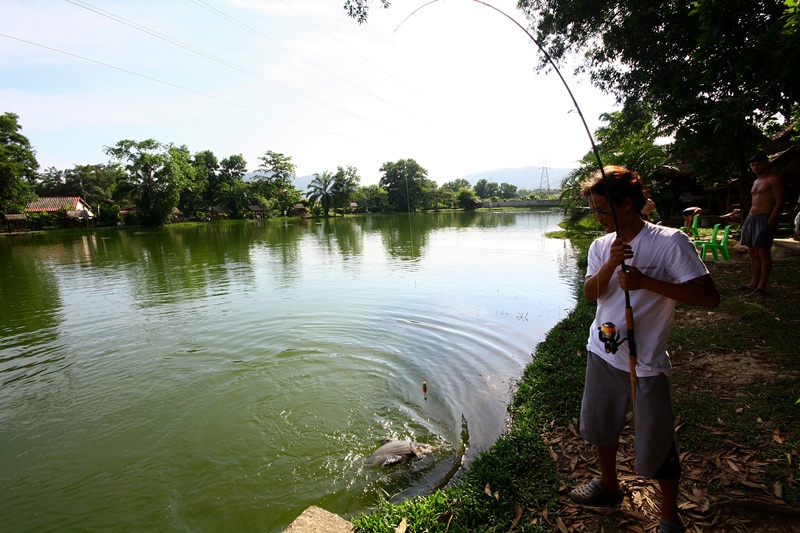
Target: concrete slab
(788, 243)
(318, 520)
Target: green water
(224, 377)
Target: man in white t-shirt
(662, 268)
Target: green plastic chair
(712, 240)
(722, 247)
(693, 227)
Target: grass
(750, 335)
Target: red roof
(54, 203)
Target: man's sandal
(595, 494)
(665, 526)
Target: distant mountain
(300, 182)
(530, 178)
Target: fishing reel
(610, 337)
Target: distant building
(16, 222)
(256, 211)
(299, 209)
(218, 212)
(74, 206)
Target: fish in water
(397, 451)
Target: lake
(225, 376)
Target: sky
(452, 85)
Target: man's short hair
(761, 156)
(620, 183)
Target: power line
(121, 20)
(311, 62)
(356, 52)
(229, 102)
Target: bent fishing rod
(607, 332)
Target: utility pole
(544, 180)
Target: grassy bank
(736, 384)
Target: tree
(467, 199)
(194, 197)
(236, 196)
(188, 186)
(718, 75)
(155, 175)
(456, 185)
(275, 179)
(321, 190)
(447, 197)
(406, 183)
(345, 185)
(359, 9)
(50, 182)
(231, 170)
(438, 198)
(93, 183)
(375, 199)
(628, 138)
(18, 166)
(486, 189)
(508, 191)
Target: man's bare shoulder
(767, 181)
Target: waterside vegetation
(151, 183)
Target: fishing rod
(607, 332)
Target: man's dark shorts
(756, 232)
(606, 397)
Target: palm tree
(321, 190)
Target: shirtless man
(761, 221)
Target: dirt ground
(722, 489)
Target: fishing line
(628, 309)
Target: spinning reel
(610, 337)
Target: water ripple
(228, 376)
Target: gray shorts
(756, 232)
(606, 398)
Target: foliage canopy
(155, 174)
(17, 166)
(406, 183)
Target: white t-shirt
(659, 252)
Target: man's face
(602, 212)
(759, 166)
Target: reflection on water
(226, 376)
